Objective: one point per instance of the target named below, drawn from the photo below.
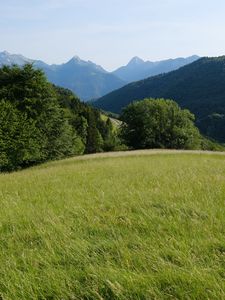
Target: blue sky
(110, 32)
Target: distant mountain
(199, 86)
(9, 59)
(85, 78)
(138, 69)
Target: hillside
(138, 69)
(40, 121)
(144, 226)
(200, 87)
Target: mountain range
(86, 79)
(89, 80)
(138, 69)
(199, 86)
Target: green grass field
(132, 227)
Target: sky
(111, 32)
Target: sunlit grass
(141, 227)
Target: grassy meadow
(142, 226)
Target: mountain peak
(8, 59)
(76, 58)
(77, 61)
(136, 61)
(193, 57)
(5, 52)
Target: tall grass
(142, 227)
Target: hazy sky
(110, 32)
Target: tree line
(41, 122)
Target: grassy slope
(115, 122)
(141, 227)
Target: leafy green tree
(110, 136)
(159, 123)
(20, 140)
(39, 129)
(94, 138)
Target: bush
(159, 123)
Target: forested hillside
(40, 122)
(200, 87)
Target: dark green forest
(199, 87)
(41, 122)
